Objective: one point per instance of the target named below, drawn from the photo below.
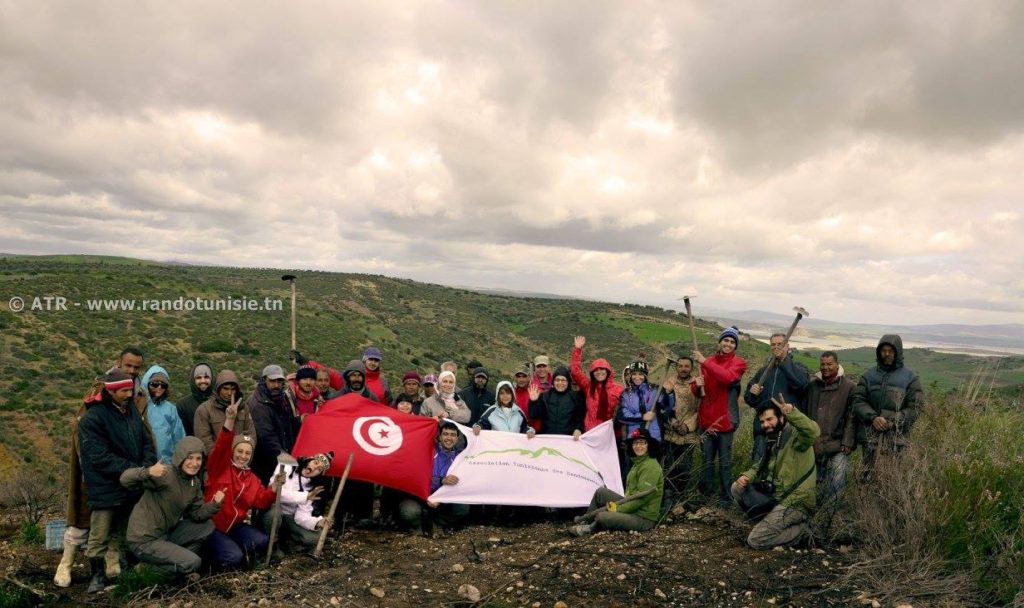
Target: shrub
(944, 519)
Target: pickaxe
(283, 459)
(334, 507)
(693, 331)
(800, 314)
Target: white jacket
(295, 499)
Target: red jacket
(720, 372)
(243, 489)
(523, 401)
(302, 404)
(337, 382)
(611, 388)
(378, 385)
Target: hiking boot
(62, 578)
(113, 563)
(98, 580)
(582, 529)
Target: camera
(765, 487)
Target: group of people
(187, 483)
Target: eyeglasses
(541, 365)
(157, 385)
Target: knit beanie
(730, 332)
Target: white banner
(498, 468)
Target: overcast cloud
(864, 160)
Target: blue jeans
(832, 475)
(717, 445)
(231, 549)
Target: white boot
(63, 576)
(112, 561)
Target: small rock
(535, 605)
(376, 592)
(576, 576)
(520, 584)
(904, 606)
(660, 594)
(844, 549)
(876, 604)
(721, 583)
(621, 577)
(263, 602)
(335, 601)
(494, 539)
(779, 549)
(820, 551)
(771, 601)
(458, 568)
(561, 604)
(469, 592)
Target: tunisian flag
(391, 448)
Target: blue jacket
(163, 418)
(443, 460)
(507, 419)
(634, 402)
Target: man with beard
(200, 386)
(829, 403)
(784, 375)
(112, 438)
(275, 420)
(477, 396)
(886, 402)
(211, 413)
(130, 362)
(682, 430)
(785, 474)
(355, 381)
(411, 391)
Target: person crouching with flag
(299, 495)
(234, 540)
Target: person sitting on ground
(209, 418)
(504, 415)
(161, 413)
(421, 515)
(601, 390)
(234, 541)
(640, 514)
(783, 481)
(200, 384)
(300, 496)
(446, 404)
(171, 522)
(559, 410)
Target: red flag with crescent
(391, 448)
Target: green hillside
(48, 358)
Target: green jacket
(167, 499)
(646, 473)
(790, 459)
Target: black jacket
(109, 443)
(477, 400)
(187, 406)
(790, 378)
(276, 430)
(559, 413)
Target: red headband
(119, 384)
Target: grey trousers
(106, 529)
(607, 520)
(179, 552)
(781, 527)
(291, 530)
(418, 516)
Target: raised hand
(158, 470)
(315, 493)
(579, 341)
(231, 411)
(533, 391)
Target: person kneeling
(645, 486)
(779, 493)
(170, 522)
(421, 515)
(298, 497)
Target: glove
(298, 358)
(613, 507)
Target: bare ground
(687, 562)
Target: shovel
(283, 459)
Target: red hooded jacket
(611, 388)
(243, 489)
(720, 373)
(523, 401)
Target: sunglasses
(158, 385)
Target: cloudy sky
(864, 160)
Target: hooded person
(275, 419)
(886, 401)
(209, 419)
(374, 377)
(600, 388)
(505, 415)
(171, 521)
(304, 391)
(477, 396)
(355, 381)
(301, 501)
(161, 413)
(639, 514)
(228, 471)
(558, 410)
(719, 413)
(446, 403)
(201, 387)
(112, 438)
(638, 402)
